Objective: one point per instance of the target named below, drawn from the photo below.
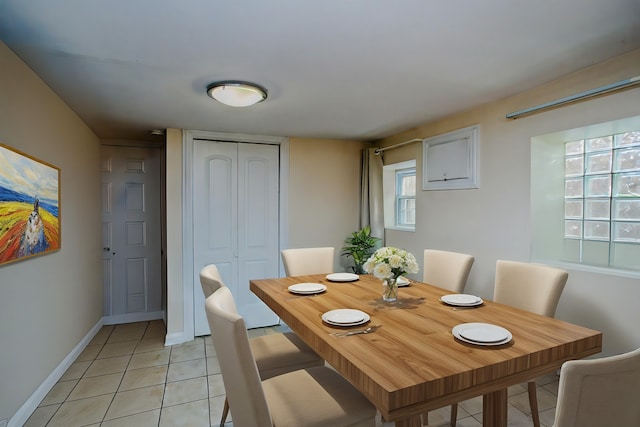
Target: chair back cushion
(210, 280)
(448, 270)
(532, 287)
(600, 392)
(239, 371)
(304, 261)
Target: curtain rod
(400, 144)
(582, 95)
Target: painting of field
(29, 206)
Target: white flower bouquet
(388, 264)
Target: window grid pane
(598, 186)
(602, 190)
(627, 160)
(597, 209)
(573, 188)
(406, 197)
(407, 211)
(628, 232)
(626, 185)
(598, 163)
(575, 147)
(408, 185)
(574, 166)
(599, 144)
(627, 139)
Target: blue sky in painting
(23, 179)
(6, 195)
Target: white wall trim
(25, 411)
(133, 317)
(174, 339)
(188, 333)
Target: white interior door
(235, 222)
(131, 232)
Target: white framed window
(406, 198)
(586, 196)
(399, 186)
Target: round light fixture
(236, 93)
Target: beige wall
(49, 303)
(324, 193)
(492, 222)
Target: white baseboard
(25, 411)
(174, 339)
(133, 317)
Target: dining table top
(411, 362)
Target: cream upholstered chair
(532, 287)
(303, 261)
(316, 396)
(446, 269)
(210, 280)
(274, 354)
(600, 392)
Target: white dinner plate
(462, 300)
(402, 281)
(482, 334)
(307, 288)
(345, 317)
(342, 277)
(346, 325)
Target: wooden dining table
(411, 363)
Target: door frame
(187, 207)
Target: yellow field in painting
(13, 217)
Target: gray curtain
(371, 198)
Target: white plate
(342, 277)
(307, 288)
(482, 334)
(346, 325)
(402, 281)
(463, 300)
(345, 317)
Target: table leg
(494, 409)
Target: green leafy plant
(360, 246)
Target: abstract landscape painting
(29, 206)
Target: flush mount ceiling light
(236, 94)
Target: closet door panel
(258, 228)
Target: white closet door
(235, 224)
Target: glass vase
(390, 290)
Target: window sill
(398, 228)
(608, 271)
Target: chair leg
(225, 412)
(454, 414)
(425, 418)
(533, 403)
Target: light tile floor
(126, 377)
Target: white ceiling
(353, 69)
